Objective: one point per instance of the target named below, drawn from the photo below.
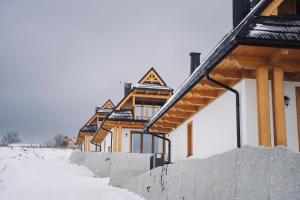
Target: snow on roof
(121, 114)
(104, 110)
(152, 86)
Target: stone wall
(246, 173)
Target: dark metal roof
(239, 35)
(89, 128)
(283, 28)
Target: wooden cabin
(245, 92)
(89, 129)
(120, 131)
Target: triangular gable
(108, 105)
(152, 77)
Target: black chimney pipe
(195, 61)
(240, 9)
(127, 88)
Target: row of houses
(245, 92)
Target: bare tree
(10, 137)
(60, 140)
(49, 144)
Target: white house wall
(125, 140)
(214, 127)
(290, 112)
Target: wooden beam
(115, 139)
(152, 96)
(272, 7)
(166, 124)
(187, 108)
(229, 74)
(120, 139)
(263, 106)
(278, 107)
(160, 130)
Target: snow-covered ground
(35, 174)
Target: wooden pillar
(115, 140)
(278, 107)
(120, 139)
(263, 106)
(133, 107)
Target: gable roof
(108, 105)
(152, 77)
(146, 86)
(247, 32)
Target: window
(145, 143)
(189, 139)
(146, 112)
(135, 142)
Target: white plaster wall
(290, 112)
(291, 116)
(125, 140)
(214, 128)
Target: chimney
(97, 108)
(127, 88)
(195, 61)
(240, 9)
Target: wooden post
(278, 107)
(120, 139)
(115, 140)
(263, 106)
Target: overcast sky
(61, 58)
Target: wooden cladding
(189, 139)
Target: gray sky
(61, 58)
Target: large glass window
(135, 142)
(158, 145)
(145, 143)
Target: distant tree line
(10, 137)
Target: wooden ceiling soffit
(160, 130)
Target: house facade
(245, 92)
(87, 132)
(121, 131)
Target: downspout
(237, 106)
(163, 138)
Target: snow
(36, 173)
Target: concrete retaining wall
(120, 167)
(247, 173)
(127, 166)
(98, 163)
